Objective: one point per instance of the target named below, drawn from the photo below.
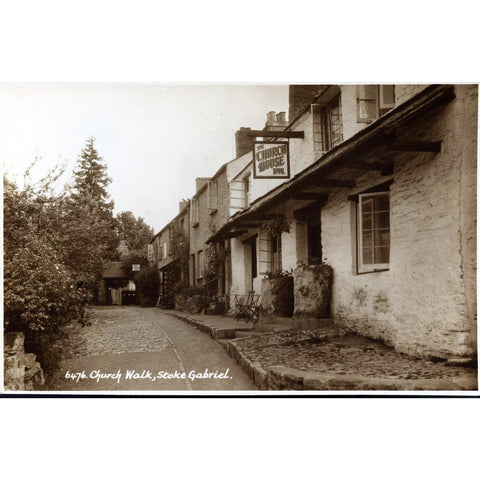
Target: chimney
(243, 143)
(200, 182)
(282, 119)
(272, 122)
(300, 96)
(182, 204)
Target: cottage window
(246, 191)
(212, 196)
(164, 250)
(327, 125)
(373, 101)
(373, 231)
(276, 243)
(200, 264)
(194, 213)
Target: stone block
(277, 296)
(312, 291)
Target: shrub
(147, 282)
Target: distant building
(116, 286)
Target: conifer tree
(91, 238)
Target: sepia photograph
(239, 239)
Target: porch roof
(380, 134)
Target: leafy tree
(135, 232)
(40, 291)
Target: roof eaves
(431, 93)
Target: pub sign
(271, 160)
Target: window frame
(381, 108)
(276, 253)
(212, 188)
(322, 124)
(246, 191)
(194, 212)
(200, 265)
(370, 267)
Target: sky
(155, 139)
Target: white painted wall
(421, 305)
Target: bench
(247, 307)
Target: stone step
(271, 327)
(246, 333)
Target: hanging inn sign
(271, 158)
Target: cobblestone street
(143, 339)
(333, 351)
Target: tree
(90, 236)
(136, 233)
(40, 291)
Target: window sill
(375, 270)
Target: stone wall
(424, 305)
(21, 371)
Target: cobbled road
(133, 348)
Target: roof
(114, 270)
(181, 213)
(428, 98)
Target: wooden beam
(275, 134)
(385, 169)
(235, 233)
(333, 182)
(265, 216)
(308, 196)
(415, 146)
(250, 224)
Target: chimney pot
(281, 118)
(271, 119)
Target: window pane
(382, 238)
(382, 219)
(367, 92)
(388, 95)
(367, 221)
(382, 254)
(367, 256)
(367, 238)
(382, 202)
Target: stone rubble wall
(21, 370)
